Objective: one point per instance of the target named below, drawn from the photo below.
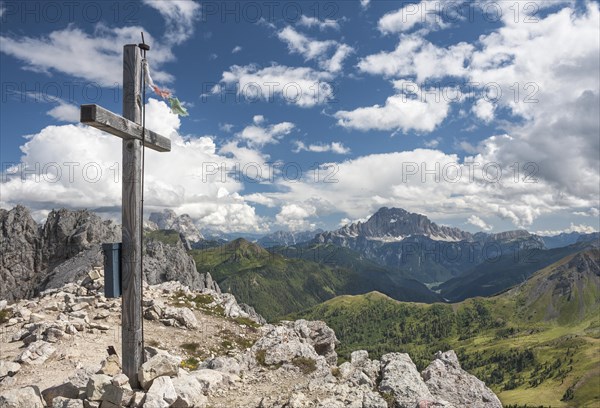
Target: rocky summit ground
(203, 350)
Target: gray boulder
(320, 336)
(160, 365)
(161, 394)
(66, 390)
(189, 392)
(448, 381)
(399, 377)
(27, 397)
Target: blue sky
(408, 94)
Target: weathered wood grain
(103, 119)
(131, 268)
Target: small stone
(111, 366)
(101, 327)
(79, 306)
(94, 275)
(101, 315)
(54, 334)
(36, 317)
(120, 380)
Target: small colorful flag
(176, 106)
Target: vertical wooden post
(132, 350)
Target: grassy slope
(489, 278)
(530, 344)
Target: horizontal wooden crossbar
(100, 118)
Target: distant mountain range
(568, 238)
(287, 238)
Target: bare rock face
(163, 262)
(31, 255)
(168, 220)
(67, 233)
(21, 259)
(447, 380)
(320, 336)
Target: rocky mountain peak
(169, 220)
(395, 224)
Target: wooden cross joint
(103, 119)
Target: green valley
(275, 285)
(535, 344)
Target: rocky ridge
(169, 220)
(287, 238)
(53, 346)
(35, 258)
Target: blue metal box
(112, 270)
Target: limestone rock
(163, 262)
(157, 366)
(110, 366)
(448, 381)
(168, 220)
(183, 315)
(66, 390)
(281, 344)
(189, 392)
(8, 369)
(97, 386)
(399, 376)
(320, 336)
(61, 402)
(36, 353)
(21, 260)
(161, 394)
(27, 397)
(210, 380)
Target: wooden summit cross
(128, 127)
